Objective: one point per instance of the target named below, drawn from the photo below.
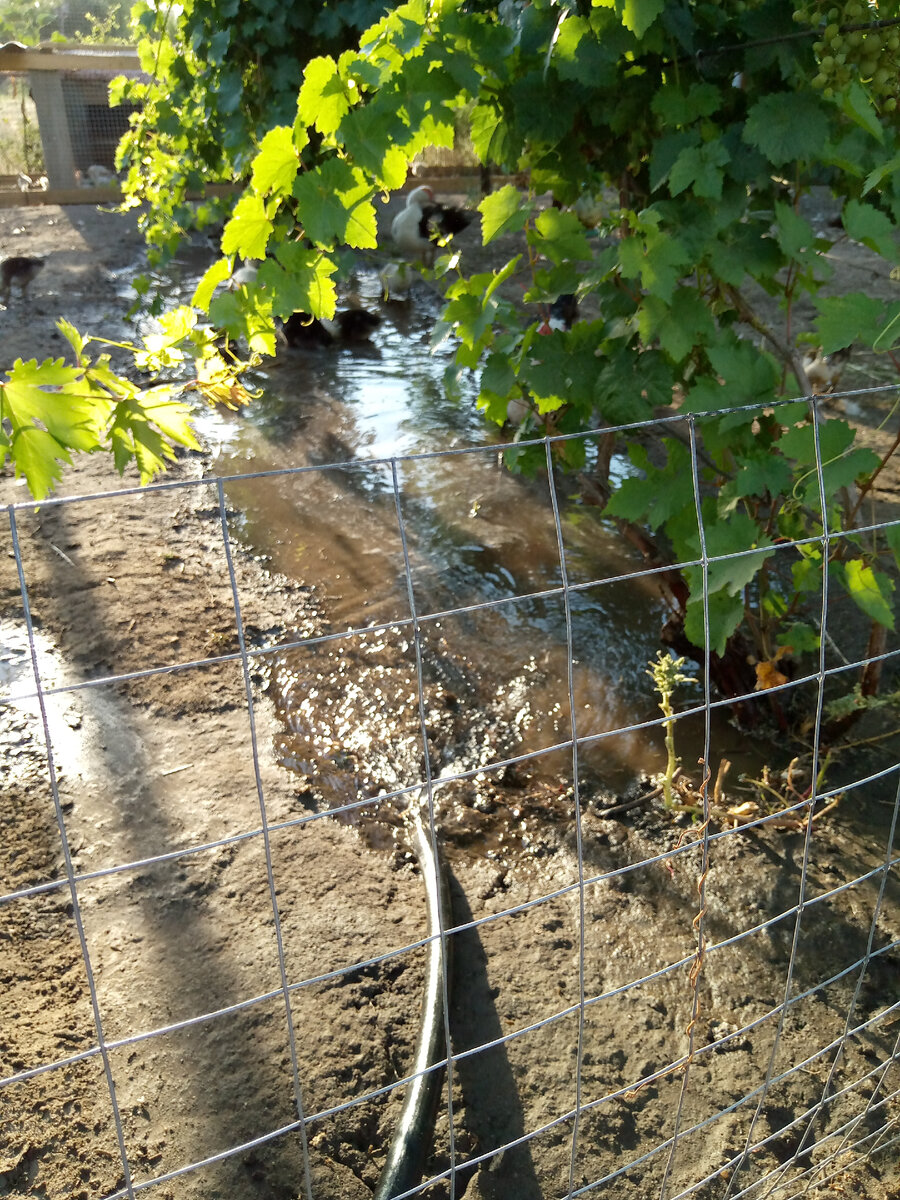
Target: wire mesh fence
(208, 818)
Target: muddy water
(494, 678)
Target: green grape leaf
(639, 15)
(857, 104)
(212, 277)
(659, 258)
(796, 236)
(726, 612)
(323, 100)
(365, 132)
(680, 326)
(560, 236)
(491, 134)
(248, 231)
(170, 416)
(502, 212)
(250, 318)
(134, 438)
(700, 168)
(661, 494)
(37, 455)
(763, 474)
(869, 225)
(275, 166)
(677, 107)
(887, 336)
(300, 281)
(799, 638)
(334, 205)
(892, 537)
(735, 535)
(870, 590)
(843, 320)
(800, 442)
(787, 126)
(880, 173)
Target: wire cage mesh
(55, 120)
(629, 1001)
(21, 154)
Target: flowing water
(334, 425)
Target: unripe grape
(831, 31)
(827, 63)
(881, 76)
(891, 104)
(820, 80)
(828, 93)
(868, 67)
(894, 42)
(818, 47)
(834, 14)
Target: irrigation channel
(475, 535)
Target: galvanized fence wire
(837, 1148)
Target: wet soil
(182, 851)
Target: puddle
(21, 733)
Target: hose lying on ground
(412, 1137)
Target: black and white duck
(424, 222)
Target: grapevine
(854, 46)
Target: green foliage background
(223, 74)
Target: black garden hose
(413, 1135)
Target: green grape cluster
(843, 55)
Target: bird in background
(562, 314)
(351, 325)
(824, 370)
(418, 228)
(244, 276)
(20, 270)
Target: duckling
(355, 324)
(20, 269)
(824, 370)
(396, 280)
(301, 331)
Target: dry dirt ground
(156, 906)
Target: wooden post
(46, 89)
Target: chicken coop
(60, 132)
